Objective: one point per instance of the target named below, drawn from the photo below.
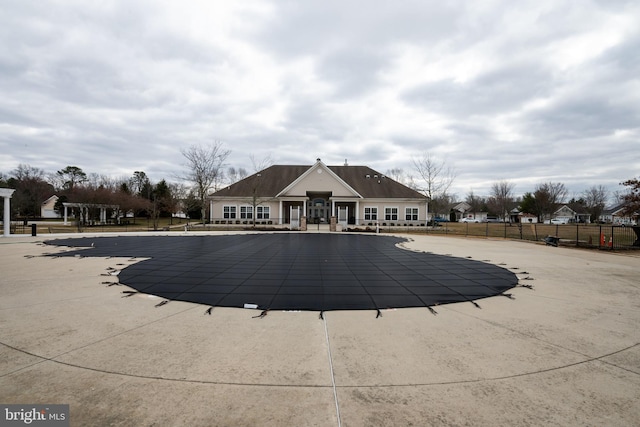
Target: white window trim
(235, 211)
(417, 208)
(397, 213)
(261, 210)
(377, 213)
(248, 209)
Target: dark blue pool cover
(292, 271)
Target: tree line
(135, 194)
(434, 178)
(205, 169)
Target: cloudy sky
(527, 91)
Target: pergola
(6, 193)
(84, 210)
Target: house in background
(47, 209)
(527, 218)
(463, 210)
(350, 195)
(573, 212)
(615, 215)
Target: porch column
(65, 215)
(6, 193)
(280, 213)
(333, 208)
(210, 211)
(357, 215)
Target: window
(262, 212)
(411, 214)
(246, 212)
(371, 214)
(391, 214)
(229, 212)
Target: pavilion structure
(6, 194)
(84, 211)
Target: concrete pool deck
(566, 352)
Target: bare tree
(618, 196)
(397, 174)
(261, 164)
(548, 197)
(26, 172)
(31, 190)
(180, 193)
(437, 178)
(502, 193)
(476, 202)
(204, 169)
(235, 174)
(256, 182)
(595, 199)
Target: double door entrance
(319, 211)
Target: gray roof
(276, 178)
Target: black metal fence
(581, 235)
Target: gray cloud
(499, 91)
(531, 91)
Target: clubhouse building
(296, 195)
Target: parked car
(438, 219)
(625, 222)
(558, 221)
(470, 220)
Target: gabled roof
(614, 210)
(462, 207)
(575, 208)
(54, 197)
(366, 182)
(308, 179)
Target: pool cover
(291, 271)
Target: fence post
(600, 237)
(610, 246)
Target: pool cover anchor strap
(379, 313)
(261, 315)
(208, 311)
(161, 303)
(435, 313)
(127, 294)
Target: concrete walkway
(566, 352)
